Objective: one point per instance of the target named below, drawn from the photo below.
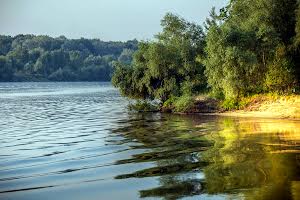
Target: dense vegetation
(249, 47)
(42, 58)
(166, 69)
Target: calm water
(77, 141)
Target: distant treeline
(248, 47)
(43, 58)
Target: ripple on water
(77, 141)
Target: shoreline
(243, 114)
(260, 106)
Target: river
(78, 141)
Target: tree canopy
(248, 47)
(251, 48)
(43, 58)
(166, 67)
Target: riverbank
(263, 106)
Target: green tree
(35, 58)
(6, 72)
(165, 67)
(243, 48)
(126, 56)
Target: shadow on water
(235, 158)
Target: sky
(108, 20)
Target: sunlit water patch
(77, 141)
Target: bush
(169, 104)
(184, 103)
(143, 106)
(216, 94)
(251, 101)
(279, 77)
(230, 104)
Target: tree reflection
(247, 158)
(255, 159)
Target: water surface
(77, 141)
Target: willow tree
(166, 67)
(249, 47)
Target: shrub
(184, 103)
(143, 106)
(169, 104)
(230, 104)
(279, 77)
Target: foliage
(126, 56)
(167, 66)
(230, 104)
(249, 48)
(143, 106)
(280, 76)
(169, 104)
(184, 103)
(37, 58)
(259, 101)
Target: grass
(266, 105)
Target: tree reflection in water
(232, 158)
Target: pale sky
(102, 19)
